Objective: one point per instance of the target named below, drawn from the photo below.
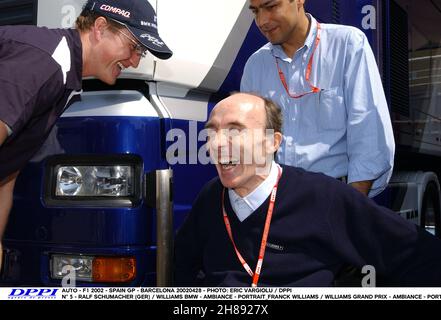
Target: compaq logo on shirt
(115, 10)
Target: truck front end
(86, 205)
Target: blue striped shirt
(343, 130)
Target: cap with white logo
(139, 17)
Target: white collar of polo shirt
(244, 207)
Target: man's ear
(99, 26)
(273, 142)
(277, 140)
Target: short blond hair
(87, 18)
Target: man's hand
(6, 191)
(363, 186)
(3, 132)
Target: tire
(431, 211)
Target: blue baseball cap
(140, 19)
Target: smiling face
(277, 19)
(238, 143)
(114, 50)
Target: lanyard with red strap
(256, 274)
(314, 89)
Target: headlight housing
(94, 268)
(93, 181)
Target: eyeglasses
(314, 89)
(138, 48)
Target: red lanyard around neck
(314, 89)
(256, 274)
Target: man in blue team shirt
(325, 79)
(264, 224)
(41, 71)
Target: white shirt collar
(244, 207)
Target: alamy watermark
(369, 21)
(225, 146)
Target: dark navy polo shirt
(40, 76)
(319, 226)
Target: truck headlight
(93, 180)
(107, 181)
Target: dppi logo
(33, 294)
